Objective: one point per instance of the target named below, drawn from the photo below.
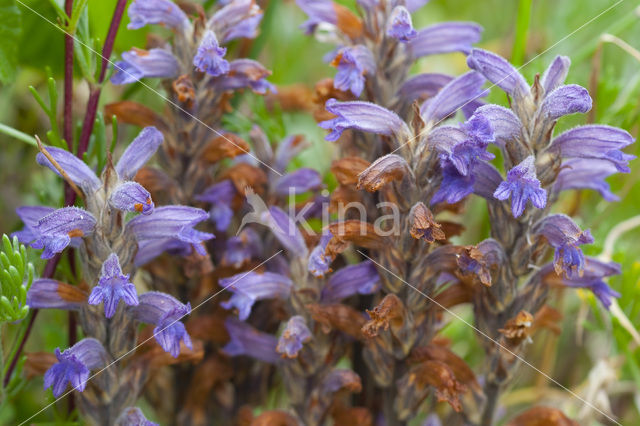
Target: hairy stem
(94, 96)
(492, 392)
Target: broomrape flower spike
(16, 278)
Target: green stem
(3, 393)
(10, 131)
(24, 325)
(522, 32)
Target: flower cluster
(355, 305)
(108, 242)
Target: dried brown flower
(347, 169)
(423, 225)
(385, 169)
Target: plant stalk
(94, 96)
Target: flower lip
(112, 287)
(522, 185)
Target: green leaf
(10, 28)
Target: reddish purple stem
(67, 130)
(94, 96)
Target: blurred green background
(531, 32)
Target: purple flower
(462, 149)
(288, 149)
(593, 279)
(113, 286)
(75, 168)
(498, 71)
(295, 334)
(280, 224)
(249, 287)
(220, 196)
(164, 12)
(137, 64)
(466, 153)
(555, 74)
(237, 19)
(506, 126)
(423, 86)
(30, 215)
(210, 56)
(522, 185)
(558, 100)
(132, 197)
(565, 236)
(246, 340)
(138, 152)
(133, 416)
(319, 263)
(319, 11)
(364, 116)
(399, 25)
(361, 278)
(413, 5)
(579, 173)
(245, 73)
(453, 95)
(171, 223)
(454, 186)
(165, 313)
(299, 181)
(597, 142)
(445, 38)
(46, 293)
(566, 100)
(74, 365)
(353, 63)
(56, 229)
(242, 248)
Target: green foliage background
(29, 45)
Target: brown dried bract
(385, 169)
(323, 91)
(134, 113)
(435, 352)
(347, 169)
(244, 175)
(337, 316)
(423, 225)
(389, 312)
(350, 416)
(542, 416)
(362, 234)
(342, 196)
(517, 329)
(453, 295)
(274, 418)
(224, 146)
(294, 97)
(38, 363)
(440, 376)
(348, 22)
(208, 328)
(184, 91)
(157, 357)
(70, 293)
(547, 317)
